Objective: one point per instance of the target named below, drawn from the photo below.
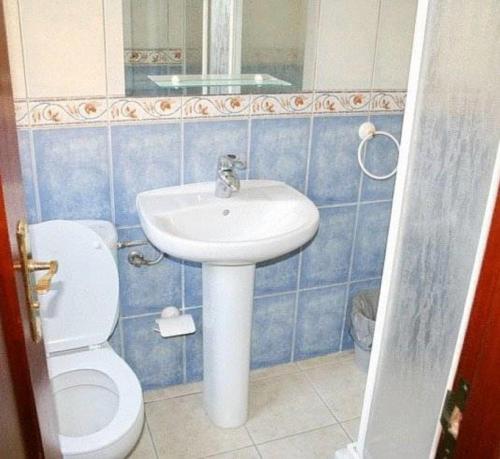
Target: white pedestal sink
(264, 220)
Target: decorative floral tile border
(360, 101)
(388, 101)
(140, 109)
(215, 106)
(117, 109)
(153, 56)
(282, 104)
(74, 111)
(22, 113)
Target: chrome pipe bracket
(134, 243)
(137, 258)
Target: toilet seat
(98, 396)
(117, 438)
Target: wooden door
(27, 372)
(479, 365)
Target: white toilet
(98, 396)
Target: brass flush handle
(44, 283)
(28, 266)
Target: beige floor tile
(245, 453)
(352, 428)
(325, 360)
(271, 372)
(172, 391)
(318, 444)
(341, 385)
(144, 448)
(181, 429)
(285, 405)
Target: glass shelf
(190, 81)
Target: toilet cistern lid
(81, 309)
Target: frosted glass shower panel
(453, 149)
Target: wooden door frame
(26, 359)
(479, 364)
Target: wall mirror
(193, 47)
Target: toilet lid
(81, 308)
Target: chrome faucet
(227, 181)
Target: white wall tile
(395, 38)
(346, 44)
(64, 47)
(127, 23)
(113, 20)
(15, 47)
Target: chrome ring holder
(366, 132)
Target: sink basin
(264, 220)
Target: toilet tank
(107, 231)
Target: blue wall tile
(156, 361)
(193, 294)
(371, 238)
(144, 157)
(278, 275)
(272, 330)
(205, 141)
(23, 138)
(147, 289)
(73, 170)
(355, 288)
(326, 259)
(334, 172)
(194, 348)
(274, 276)
(148, 155)
(278, 150)
(381, 158)
(319, 321)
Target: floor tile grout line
(346, 432)
(297, 434)
(227, 452)
(295, 371)
(335, 420)
(247, 430)
(263, 378)
(353, 439)
(172, 397)
(325, 363)
(151, 436)
(330, 410)
(320, 397)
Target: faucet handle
(231, 162)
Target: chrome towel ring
(367, 131)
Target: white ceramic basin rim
(264, 220)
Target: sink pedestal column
(227, 327)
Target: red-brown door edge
(479, 364)
(27, 363)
